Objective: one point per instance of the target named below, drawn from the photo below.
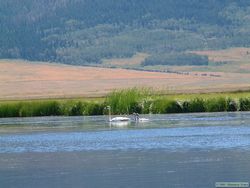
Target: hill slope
(85, 32)
(29, 80)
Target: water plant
(216, 105)
(244, 104)
(77, 109)
(194, 105)
(9, 109)
(94, 109)
(163, 106)
(231, 105)
(126, 101)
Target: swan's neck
(109, 114)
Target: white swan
(143, 120)
(138, 119)
(117, 119)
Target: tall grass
(45, 108)
(216, 105)
(9, 110)
(94, 109)
(194, 105)
(244, 104)
(73, 108)
(231, 105)
(164, 106)
(125, 102)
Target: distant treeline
(179, 59)
(84, 32)
(123, 102)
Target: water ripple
(172, 139)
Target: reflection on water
(184, 150)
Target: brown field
(232, 60)
(136, 60)
(228, 55)
(30, 80)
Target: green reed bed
(50, 108)
(142, 101)
(127, 101)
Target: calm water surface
(184, 150)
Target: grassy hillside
(33, 80)
(87, 32)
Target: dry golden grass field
(134, 61)
(230, 55)
(32, 80)
(232, 60)
(235, 60)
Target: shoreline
(128, 101)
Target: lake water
(177, 151)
